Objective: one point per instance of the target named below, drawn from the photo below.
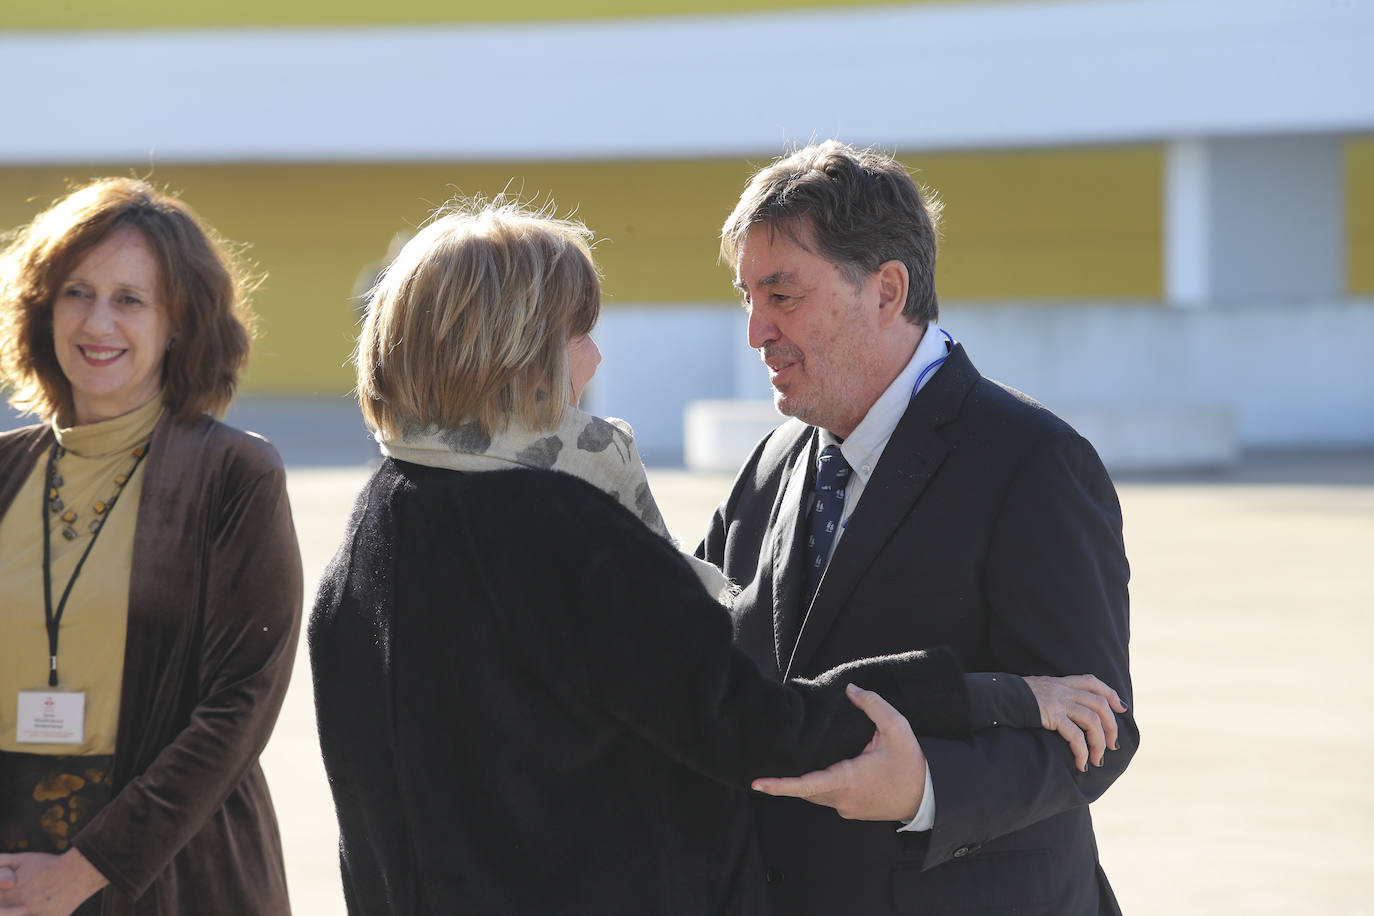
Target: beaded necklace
(53, 505)
(101, 507)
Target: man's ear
(893, 283)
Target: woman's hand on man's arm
(1082, 710)
(1079, 707)
(887, 780)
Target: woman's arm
(1079, 707)
(252, 605)
(626, 626)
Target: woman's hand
(1080, 708)
(40, 884)
(7, 884)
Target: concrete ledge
(308, 431)
(720, 434)
(1158, 437)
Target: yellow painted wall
(1061, 225)
(1049, 224)
(127, 14)
(315, 228)
(1359, 176)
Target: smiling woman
(149, 621)
(110, 329)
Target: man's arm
(886, 782)
(1055, 585)
(890, 775)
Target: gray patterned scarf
(601, 452)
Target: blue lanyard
(932, 367)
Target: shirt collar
(863, 446)
(105, 438)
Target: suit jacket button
(961, 852)
(773, 876)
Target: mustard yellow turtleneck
(90, 654)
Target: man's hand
(1080, 708)
(39, 884)
(884, 783)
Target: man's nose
(761, 330)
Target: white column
(1254, 219)
(1187, 223)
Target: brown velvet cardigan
(214, 613)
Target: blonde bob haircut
(472, 319)
(202, 284)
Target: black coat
(988, 526)
(528, 704)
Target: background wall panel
(1049, 224)
(314, 229)
(1044, 224)
(1359, 178)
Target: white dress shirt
(862, 450)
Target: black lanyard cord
(54, 621)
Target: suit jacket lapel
(789, 533)
(910, 459)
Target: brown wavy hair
(202, 283)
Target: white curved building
(1171, 199)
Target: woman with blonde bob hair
(149, 565)
(460, 326)
(527, 700)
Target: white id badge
(51, 717)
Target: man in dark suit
(912, 502)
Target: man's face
(813, 328)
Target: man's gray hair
(857, 208)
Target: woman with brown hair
(149, 567)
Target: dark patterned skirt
(46, 799)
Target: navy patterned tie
(832, 471)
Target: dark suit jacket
(528, 704)
(989, 526)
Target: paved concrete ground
(1253, 600)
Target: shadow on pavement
(1287, 467)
